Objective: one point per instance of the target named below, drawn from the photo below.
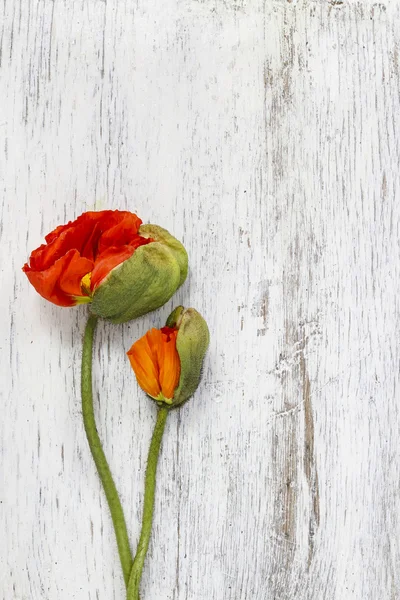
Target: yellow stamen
(85, 284)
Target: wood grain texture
(265, 135)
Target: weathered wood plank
(265, 136)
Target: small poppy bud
(109, 259)
(167, 362)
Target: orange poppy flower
(155, 361)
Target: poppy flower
(167, 362)
(109, 259)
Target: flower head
(167, 362)
(109, 259)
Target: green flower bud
(143, 282)
(168, 361)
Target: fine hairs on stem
(148, 505)
(99, 457)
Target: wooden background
(265, 135)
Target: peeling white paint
(265, 135)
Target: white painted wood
(265, 135)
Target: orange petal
(170, 365)
(156, 363)
(144, 364)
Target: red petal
(90, 234)
(61, 282)
(90, 248)
(69, 238)
(120, 233)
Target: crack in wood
(309, 461)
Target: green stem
(148, 505)
(96, 449)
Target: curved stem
(96, 449)
(148, 505)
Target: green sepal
(164, 237)
(174, 319)
(143, 282)
(191, 343)
(82, 300)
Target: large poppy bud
(109, 259)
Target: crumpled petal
(95, 241)
(61, 282)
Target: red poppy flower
(77, 257)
